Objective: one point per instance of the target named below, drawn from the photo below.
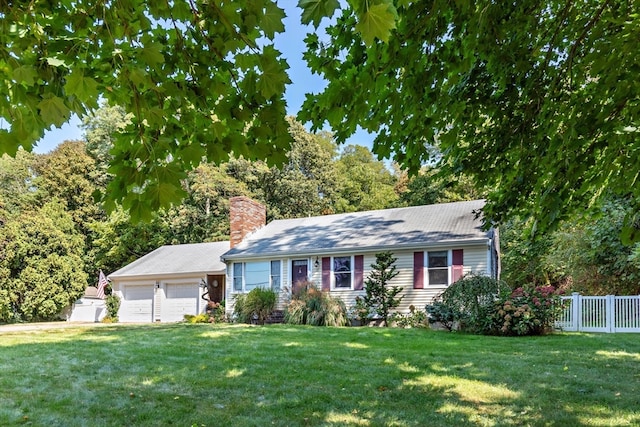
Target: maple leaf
(315, 10)
(274, 77)
(272, 21)
(25, 74)
(54, 111)
(377, 21)
(151, 53)
(84, 88)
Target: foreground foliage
(200, 79)
(283, 375)
(537, 101)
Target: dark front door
(299, 269)
(215, 285)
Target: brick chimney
(245, 217)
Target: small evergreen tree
(379, 296)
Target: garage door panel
(180, 299)
(137, 304)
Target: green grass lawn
(203, 375)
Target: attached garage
(170, 282)
(180, 299)
(136, 304)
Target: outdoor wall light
(157, 285)
(316, 264)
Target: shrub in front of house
(197, 318)
(414, 319)
(529, 310)
(256, 306)
(468, 303)
(361, 312)
(380, 297)
(486, 306)
(440, 313)
(216, 312)
(113, 305)
(311, 306)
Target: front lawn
(203, 375)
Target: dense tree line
(54, 236)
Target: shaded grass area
(225, 375)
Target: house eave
(164, 276)
(363, 249)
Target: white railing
(600, 314)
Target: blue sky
(290, 43)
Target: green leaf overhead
(84, 88)
(377, 22)
(316, 10)
(54, 111)
(272, 20)
(537, 101)
(175, 67)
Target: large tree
(201, 79)
(41, 264)
(537, 100)
(16, 181)
(364, 182)
(68, 173)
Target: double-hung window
(342, 272)
(276, 275)
(238, 268)
(438, 267)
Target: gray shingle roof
(177, 259)
(371, 230)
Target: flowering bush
(526, 311)
(216, 312)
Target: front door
(299, 270)
(215, 286)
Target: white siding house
(435, 245)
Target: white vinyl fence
(600, 314)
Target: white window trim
(352, 271)
(271, 274)
(449, 268)
(231, 269)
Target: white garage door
(137, 304)
(181, 299)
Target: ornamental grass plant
(311, 306)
